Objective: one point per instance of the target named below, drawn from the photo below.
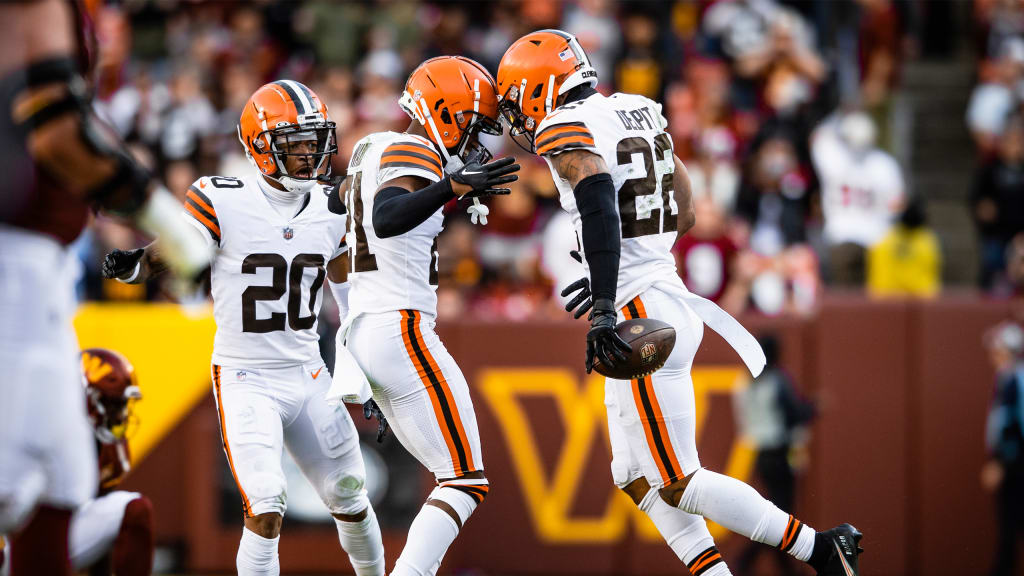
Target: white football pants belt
(348, 383)
(742, 341)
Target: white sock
(362, 541)
(687, 535)
(257, 556)
(741, 509)
(430, 535)
(804, 545)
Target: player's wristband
(595, 200)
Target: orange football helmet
(111, 391)
(277, 117)
(533, 73)
(454, 98)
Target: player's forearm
(684, 198)
(397, 211)
(595, 199)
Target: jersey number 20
(283, 280)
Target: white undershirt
(285, 202)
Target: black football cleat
(845, 543)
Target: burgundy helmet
(111, 391)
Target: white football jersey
(268, 271)
(858, 192)
(628, 131)
(398, 273)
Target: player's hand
(583, 285)
(582, 299)
(122, 264)
(602, 341)
(371, 411)
(476, 179)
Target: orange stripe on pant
(658, 440)
(445, 409)
(246, 506)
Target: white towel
(742, 341)
(349, 384)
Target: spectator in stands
(1003, 474)
(861, 193)
(998, 203)
(639, 69)
(908, 260)
(994, 101)
(706, 255)
(774, 199)
(773, 417)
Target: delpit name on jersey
(628, 132)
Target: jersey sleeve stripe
(563, 144)
(414, 147)
(196, 213)
(556, 128)
(202, 200)
(388, 154)
(410, 162)
(562, 136)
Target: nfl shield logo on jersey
(287, 232)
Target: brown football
(651, 340)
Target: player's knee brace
(462, 495)
(344, 492)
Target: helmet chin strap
(293, 185)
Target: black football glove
(371, 411)
(484, 178)
(582, 299)
(121, 264)
(602, 341)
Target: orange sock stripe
(456, 416)
(789, 536)
(704, 561)
(410, 318)
(246, 506)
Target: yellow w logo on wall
(549, 496)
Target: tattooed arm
(684, 198)
(575, 165)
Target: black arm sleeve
(595, 199)
(397, 211)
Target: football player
(112, 533)
(276, 235)
(629, 198)
(398, 186)
(58, 163)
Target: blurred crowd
(781, 111)
(995, 117)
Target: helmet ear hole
(536, 93)
(446, 116)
